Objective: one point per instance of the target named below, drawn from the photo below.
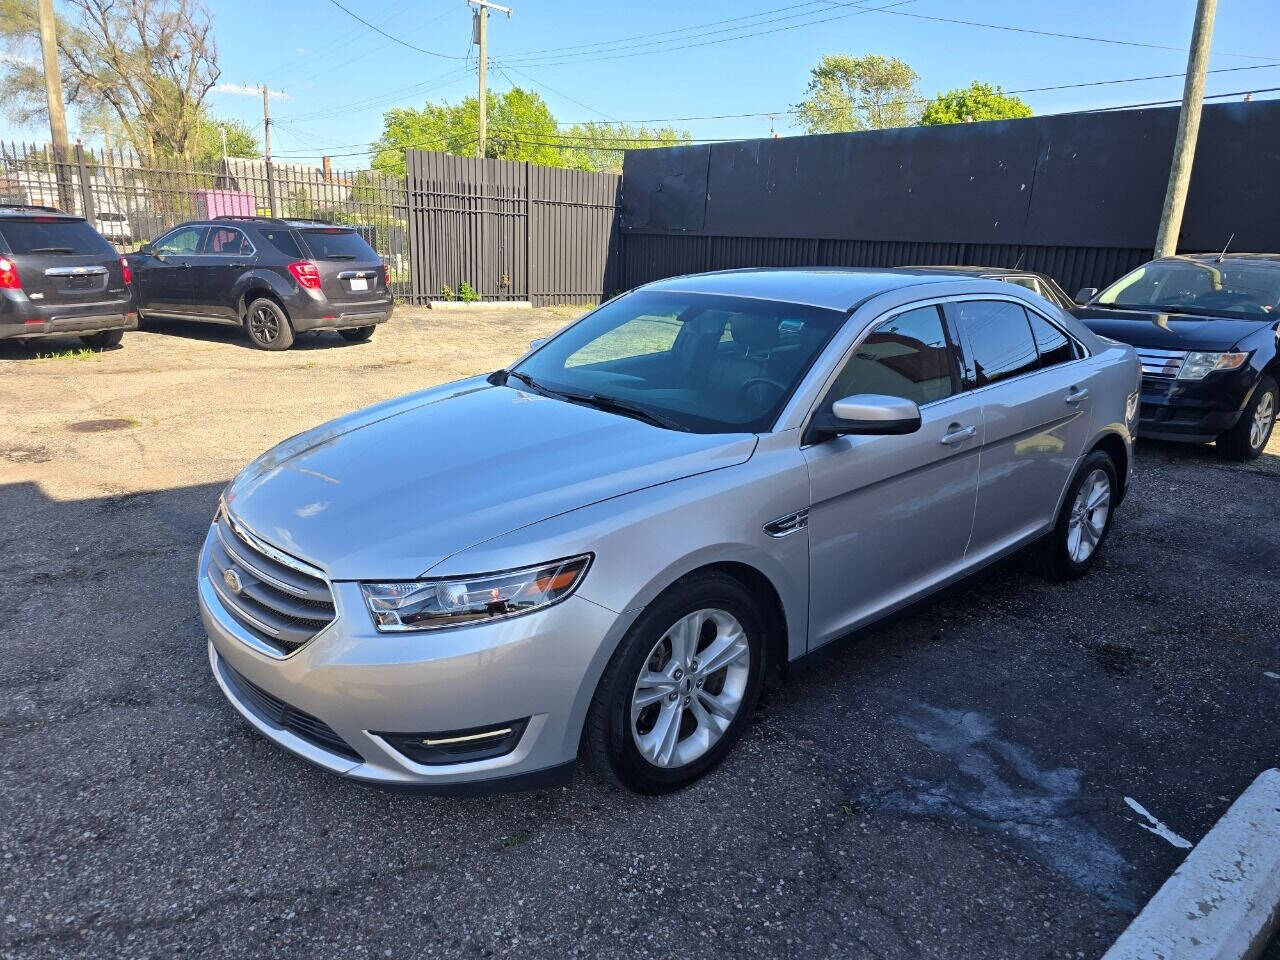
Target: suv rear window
(335, 244)
(52, 236)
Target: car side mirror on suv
(1085, 294)
(870, 414)
(146, 250)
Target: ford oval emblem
(232, 580)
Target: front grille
(1161, 364)
(280, 600)
(276, 712)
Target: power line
(422, 87)
(377, 29)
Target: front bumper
(1193, 410)
(542, 666)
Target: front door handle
(1075, 396)
(957, 434)
(236, 266)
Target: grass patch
(515, 839)
(75, 353)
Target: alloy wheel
(1089, 514)
(1263, 417)
(264, 324)
(690, 688)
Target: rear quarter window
(337, 244)
(285, 242)
(53, 237)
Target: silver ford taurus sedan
(601, 549)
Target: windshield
(52, 235)
(710, 364)
(1231, 289)
(334, 244)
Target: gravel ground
(952, 784)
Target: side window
(227, 241)
(284, 241)
(184, 240)
(1054, 345)
(906, 356)
(1000, 343)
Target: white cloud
(245, 91)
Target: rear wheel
(681, 687)
(1084, 521)
(1248, 438)
(103, 339)
(268, 325)
(357, 334)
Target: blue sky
(338, 75)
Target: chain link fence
(132, 201)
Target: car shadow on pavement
(234, 335)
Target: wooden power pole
(1184, 148)
(479, 36)
(57, 113)
(266, 149)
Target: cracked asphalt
(949, 784)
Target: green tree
(978, 101)
(859, 93)
(207, 142)
(151, 63)
(598, 146)
(521, 127)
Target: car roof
(834, 288)
(17, 211)
(1229, 258)
(965, 270)
(290, 222)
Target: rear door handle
(1075, 396)
(957, 434)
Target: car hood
(1168, 331)
(389, 492)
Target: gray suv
(603, 547)
(276, 278)
(59, 277)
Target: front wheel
(103, 339)
(681, 687)
(1248, 438)
(357, 334)
(268, 325)
(1072, 547)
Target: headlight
(1198, 365)
(432, 604)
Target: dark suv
(272, 276)
(59, 277)
(1205, 328)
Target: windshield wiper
(52, 250)
(597, 400)
(627, 409)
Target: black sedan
(1205, 328)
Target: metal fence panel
(509, 230)
(132, 201)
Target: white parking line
(1223, 902)
(1156, 826)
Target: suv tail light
(386, 275)
(306, 273)
(9, 279)
(125, 269)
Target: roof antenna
(1020, 258)
(1223, 254)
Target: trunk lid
(350, 270)
(63, 260)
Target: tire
(1075, 542)
(103, 340)
(268, 325)
(1248, 438)
(710, 709)
(357, 334)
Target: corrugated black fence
(1076, 196)
(510, 231)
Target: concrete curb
(479, 305)
(1223, 902)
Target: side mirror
(869, 414)
(145, 250)
(1085, 294)
(537, 342)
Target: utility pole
(1184, 148)
(53, 93)
(266, 144)
(479, 36)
